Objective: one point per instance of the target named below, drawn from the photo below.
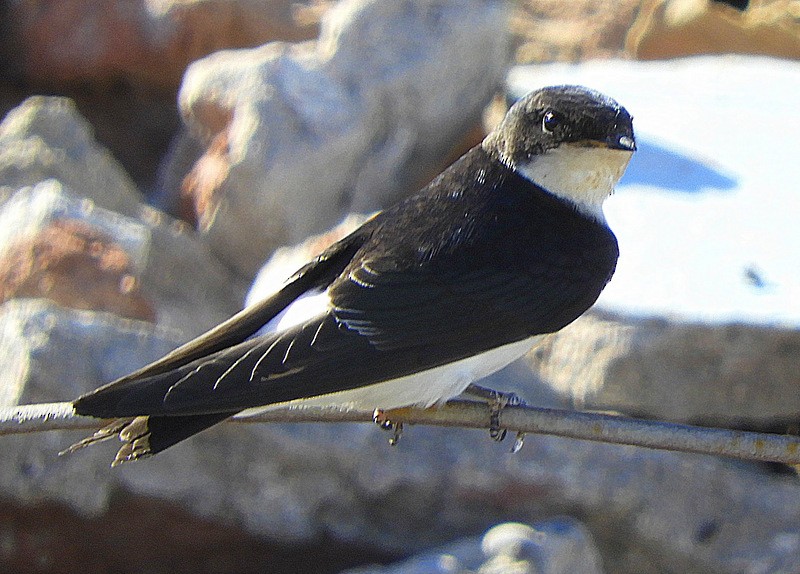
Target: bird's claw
(519, 442)
(379, 418)
(495, 432)
(497, 402)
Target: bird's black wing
(330, 354)
(230, 333)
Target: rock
(75, 265)
(735, 375)
(552, 30)
(675, 28)
(53, 353)
(557, 546)
(56, 246)
(45, 137)
(184, 543)
(192, 289)
(300, 135)
(648, 511)
(122, 61)
(148, 44)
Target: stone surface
(552, 30)
(648, 511)
(675, 28)
(64, 245)
(72, 47)
(45, 137)
(146, 43)
(123, 540)
(557, 546)
(300, 135)
(75, 265)
(50, 352)
(137, 122)
(735, 375)
(148, 269)
(122, 61)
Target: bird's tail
(147, 435)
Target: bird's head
(572, 141)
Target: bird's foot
(497, 401)
(380, 418)
(519, 442)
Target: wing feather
(221, 342)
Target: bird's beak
(617, 142)
(623, 143)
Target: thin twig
(469, 414)
(43, 417)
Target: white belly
(423, 389)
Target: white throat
(584, 176)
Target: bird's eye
(550, 121)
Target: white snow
(708, 213)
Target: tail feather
(103, 434)
(147, 435)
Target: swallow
(507, 245)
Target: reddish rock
(51, 538)
(200, 188)
(554, 30)
(77, 266)
(144, 42)
(673, 29)
(296, 136)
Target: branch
(469, 414)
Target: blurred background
(165, 162)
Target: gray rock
(44, 138)
(648, 511)
(730, 375)
(189, 290)
(192, 290)
(51, 353)
(300, 135)
(556, 546)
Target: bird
(506, 246)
